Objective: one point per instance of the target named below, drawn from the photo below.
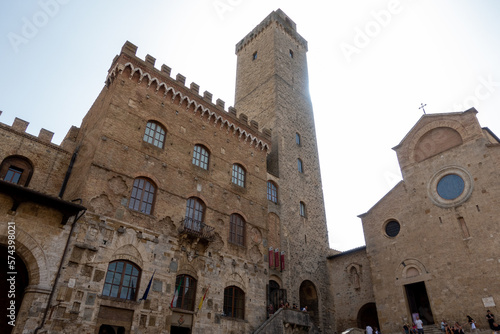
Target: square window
(13, 174)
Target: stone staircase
(287, 321)
(436, 329)
(432, 329)
(429, 329)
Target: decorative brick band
(197, 107)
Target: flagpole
(146, 292)
(200, 305)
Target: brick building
(165, 212)
(179, 215)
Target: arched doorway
(276, 296)
(309, 297)
(13, 281)
(367, 315)
(418, 302)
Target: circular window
(450, 186)
(392, 228)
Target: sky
(372, 63)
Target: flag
(176, 295)
(146, 292)
(203, 298)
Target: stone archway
(13, 282)
(30, 256)
(275, 295)
(309, 297)
(273, 298)
(367, 315)
(418, 302)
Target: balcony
(196, 229)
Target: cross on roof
(422, 106)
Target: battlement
(161, 81)
(20, 126)
(283, 20)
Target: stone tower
(272, 88)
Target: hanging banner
(271, 257)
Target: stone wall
(351, 288)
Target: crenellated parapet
(280, 18)
(19, 126)
(175, 90)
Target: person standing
(369, 330)
(472, 324)
(420, 325)
(490, 318)
(270, 310)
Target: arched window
(185, 293)
(122, 280)
(143, 195)
(297, 138)
(300, 167)
(195, 211)
(16, 169)
(272, 192)
(155, 134)
(303, 212)
(201, 156)
(238, 175)
(234, 302)
(237, 230)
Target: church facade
(431, 242)
(166, 212)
